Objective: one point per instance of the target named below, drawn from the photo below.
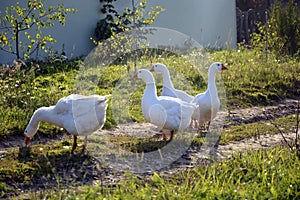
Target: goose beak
(27, 140)
(152, 69)
(224, 68)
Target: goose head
(29, 132)
(144, 74)
(219, 67)
(158, 67)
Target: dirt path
(255, 114)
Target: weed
(294, 145)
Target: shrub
(116, 22)
(282, 30)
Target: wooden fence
(247, 23)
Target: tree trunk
(17, 41)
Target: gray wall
(210, 22)
(76, 33)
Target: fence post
(134, 27)
(247, 27)
(266, 15)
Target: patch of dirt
(255, 114)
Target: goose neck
(45, 114)
(167, 79)
(35, 119)
(150, 90)
(212, 80)
(34, 123)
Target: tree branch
(7, 51)
(29, 11)
(39, 19)
(36, 48)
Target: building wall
(210, 22)
(76, 33)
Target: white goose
(168, 88)
(208, 102)
(79, 115)
(167, 113)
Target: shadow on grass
(142, 146)
(139, 145)
(45, 167)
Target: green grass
(270, 174)
(254, 80)
(263, 174)
(27, 166)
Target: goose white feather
(165, 112)
(208, 102)
(79, 115)
(168, 88)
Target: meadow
(252, 80)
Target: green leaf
(20, 18)
(156, 178)
(29, 4)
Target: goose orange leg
(74, 143)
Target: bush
(116, 22)
(282, 30)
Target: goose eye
(218, 64)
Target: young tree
(27, 22)
(132, 18)
(116, 22)
(281, 33)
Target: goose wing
(79, 105)
(178, 112)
